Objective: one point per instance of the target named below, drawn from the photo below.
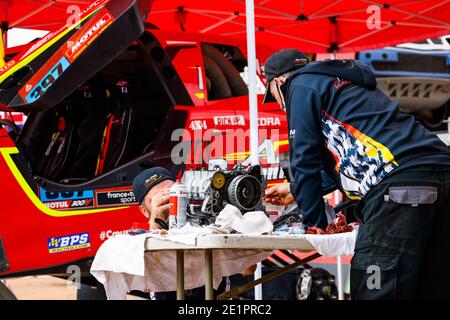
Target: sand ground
(44, 288)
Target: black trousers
(403, 246)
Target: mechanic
(151, 188)
(399, 172)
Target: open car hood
(63, 60)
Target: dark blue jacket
(341, 123)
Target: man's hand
(280, 195)
(159, 208)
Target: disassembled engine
(210, 191)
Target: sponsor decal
(52, 35)
(115, 197)
(8, 65)
(198, 125)
(269, 121)
(40, 42)
(46, 82)
(93, 31)
(229, 120)
(70, 204)
(104, 235)
(45, 195)
(340, 83)
(69, 243)
(152, 179)
(45, 42)
(292, 134)
(18, 117)
(67, 199)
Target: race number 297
(48, 80)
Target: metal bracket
(238, 290)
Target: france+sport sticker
(69, 243)
(47, 81)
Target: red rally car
(102, 98)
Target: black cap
(147, 179)
(281, 62)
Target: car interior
(110, 120)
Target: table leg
(180, 274)
(340, 278)
(209, 293)
(258, 288)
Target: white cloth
(333, 245)
(121, 265)
(255, 222)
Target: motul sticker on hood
(31, 92)
(64, 61)
(94, 29)
(44, 43)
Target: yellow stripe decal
(38, 51)
(277, 144)
(2, 51)
(6, 153)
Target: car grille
(414, 62)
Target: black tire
(437, 117)
(234, 79)
(219, 88)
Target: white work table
(223, 253)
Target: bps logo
(69, 243)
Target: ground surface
(43, 288)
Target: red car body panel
(45, 238)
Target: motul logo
(90, 34)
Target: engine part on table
(316, 284)
(288, 217)
(210, 191)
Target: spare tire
(218, 87)
(234, 79)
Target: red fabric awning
(38, 14)
(310, 25)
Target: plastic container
(179, 199)
(297, 229)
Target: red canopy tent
(37, 14)
(313, 26)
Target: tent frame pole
(253, 106)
